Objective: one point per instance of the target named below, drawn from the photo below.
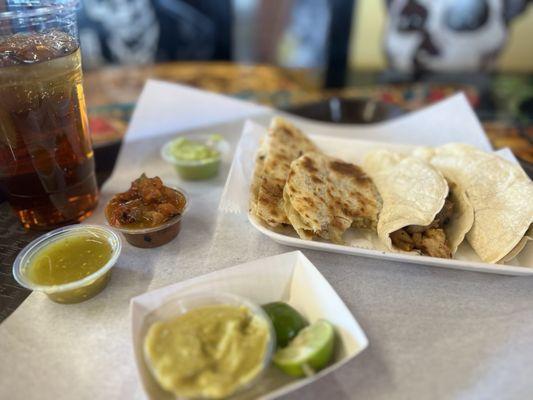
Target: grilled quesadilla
(258, 173)
(501, 195)
(284, 143)
(325, 196)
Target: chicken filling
(429, 240)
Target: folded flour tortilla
(258, 173)
(284, 143)
(419, 211)
(501, 195)
(325, 196)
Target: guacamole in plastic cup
(208, 345)
(195, 157)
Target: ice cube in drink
(46, 159)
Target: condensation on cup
(46, 157)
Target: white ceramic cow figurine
(448, 35)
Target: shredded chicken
(429, 240)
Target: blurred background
(287, 53)
(326, 35)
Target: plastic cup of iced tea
(46, 157)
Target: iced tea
(46, 158)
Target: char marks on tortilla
(284, 144)
(325, 196)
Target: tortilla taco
(499, 192)
(421, 212)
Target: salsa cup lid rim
(170, 222)
(191, 163)
(37, 244)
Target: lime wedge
(310, 351)
(286, 320)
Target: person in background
(136, 32)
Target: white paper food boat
(288, 277)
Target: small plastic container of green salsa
(196, 157)
(70, 264)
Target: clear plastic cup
(197, 169)
(181, 305)
(72, 292)
(47, 160)
(157, 235)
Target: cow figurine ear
(513, 8)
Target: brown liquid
(46, 159)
